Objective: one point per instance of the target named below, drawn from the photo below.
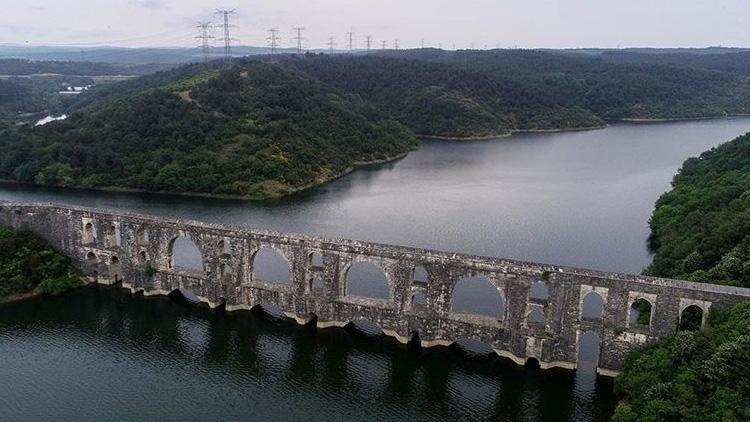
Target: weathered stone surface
(112, 246)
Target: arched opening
(316, 284)
(592, 306)
(270, 266)
(269, 311)
(112, 236)
(364, 279)
(225, 270)
(418, 299)
(88, 233)
(476, 295)
(415, 341)
(185, 255)
(691, 318)
(536, 316)
(91, 258)
(473, 347)
(539, 291)
(589, 348)
(640, 312)
(365, 327)
(420, 275)
(144, 256)
(141, 236)
(184, 296)
(114, 268)
(315, 260)
(532, 363)
(225, 246)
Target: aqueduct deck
(542, 316)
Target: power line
(204, 36)
(368, 41)
(299, 38)
(331, 44)
(273, 39)
(351, 40)
(227, 39)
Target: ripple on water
(99, 354)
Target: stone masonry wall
(118, 247)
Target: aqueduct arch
(419, 305)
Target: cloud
(149, 4)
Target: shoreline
(18, 297)
(116, 189)
(509, 134)
(680, 119)
(359, 164)
(582, 129)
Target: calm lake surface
(579, 198)
(574, 198)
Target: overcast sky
(503, 23)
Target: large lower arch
(184, 254)
(364, 279)
(476, 295)
(589, 350)
(270, 266)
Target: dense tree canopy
(700, 230)
(251, 129)
(655, 86)
(692, 376)
(27, 264)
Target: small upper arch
(592, 306)
(539, 290)
(420, 275)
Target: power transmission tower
(395, 44)
(351, 40)
(83, 55)
(383, 44)
(331, 44)
(205, 36)
(422, 42)
(225, 14)
(273, 39)
(299, 38)
(368, 41)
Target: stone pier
(137, 250)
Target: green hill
(249, 129)
(613, 86)
(439, 99)
(700, 230)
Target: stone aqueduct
(109, 247)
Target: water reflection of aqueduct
(523, 310)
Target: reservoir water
(577, 198)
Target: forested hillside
(700, 230)
(28, 99)
(248, 129)
(692, 376)
(665, 87)
(18, 67)
(445, 100)
(28, 264)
